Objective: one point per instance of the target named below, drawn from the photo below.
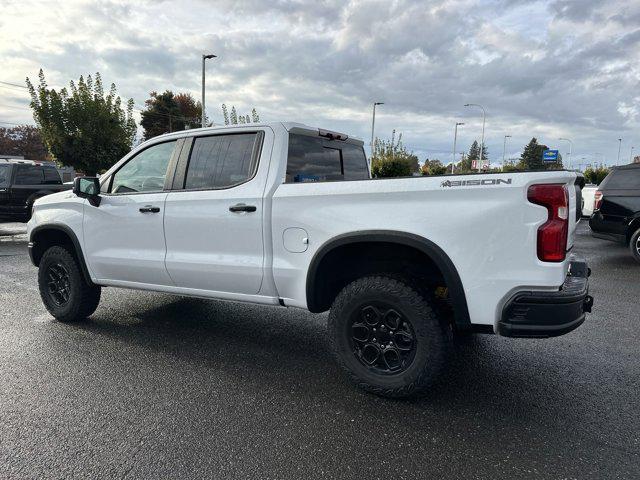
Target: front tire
(63, 289)
(387, 337)
(634, 245)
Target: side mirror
(87, 187)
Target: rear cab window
(313, 158)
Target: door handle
(241, 207)
(149, 209)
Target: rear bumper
(542, 314)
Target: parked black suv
(21, 182)
(616, 213)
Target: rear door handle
(241, 207)
(149, 209)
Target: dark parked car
(616, 213)
(21, 183)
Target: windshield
(5, 172)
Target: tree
(391, 158)
(596, 175)
(234, 119)
(82, 127)
(190, 110)
(169, 112)
(24, 140)
(531, 158)
(433, 167)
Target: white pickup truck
(285, 214)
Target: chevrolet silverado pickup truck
(286, 214)
(22, 182)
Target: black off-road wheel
(64, 291)
(387, 337)
(634, 245)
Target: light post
(504, 148)
(631, 156)
(570, 148)
(484, 117)
(204, 58)
(455, 139)
(619, 146)
(373, 127)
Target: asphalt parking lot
(157, 386)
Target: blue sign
(550, 156)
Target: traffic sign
(550, 156)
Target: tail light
(597, 198)
(552, 235)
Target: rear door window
(318, 159)
(222, 161)
(29, 175)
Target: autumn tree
(23, 141)
(82, 127)
(433, 167)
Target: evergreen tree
(225, 114)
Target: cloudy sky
(548, 69)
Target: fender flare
(74, 240)
(429, 248)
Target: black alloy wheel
(58, 284)
(382, 338)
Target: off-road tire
(432, 336)
(634, 245)
(82, 297)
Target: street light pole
(204, 57)
(619, 146)
(455, 139)
(484, 117)
(373, 127)
(504, 148)
(631, 156)
(570, 148)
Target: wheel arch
(316, 303)
(634, 225)
(44, 236)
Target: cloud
(550, 69)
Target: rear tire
(64, 291)
(387, 337)
(634, 245)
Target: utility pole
(204, 58)
(455, 139)
(570, 148)
(484, 117)
(619, 147)
(504, 148)
(373, 127)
